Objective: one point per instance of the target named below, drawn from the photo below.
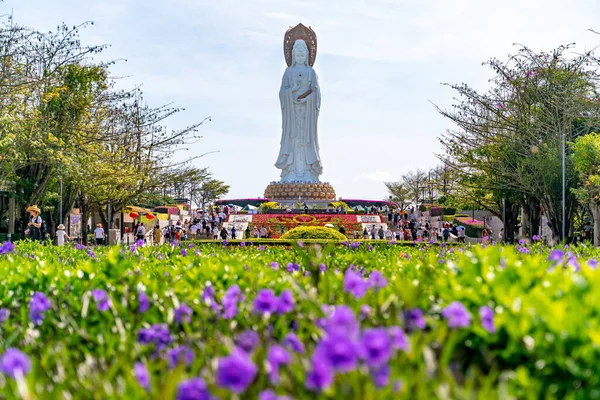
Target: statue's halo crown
(300, 32)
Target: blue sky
(380, 64)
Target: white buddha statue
(300, 98)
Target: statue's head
(300, 53)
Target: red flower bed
(288, 221)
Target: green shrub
(449, 211)
(448, 218)
(269, 205)
(313, 232)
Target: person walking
(157, 234)
(99, 235)
(140, 234)
(61, 235)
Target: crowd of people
(402, 225)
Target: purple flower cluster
(276, 357)
(487, 319)
(247, 341)
(38, 305)
(157, 334)
(355, 284)
(230, 302)
(180, 354)
(457, 315)
(144, 303)
(193, 389)
(266, 302)
(4, 313)
(183, 313)
(269, 394)
(344, 346)
(236, 372)
(101, 299)
(140, 372)
(14, 362)
(6, 248)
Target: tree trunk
(531, 216)
(595, 208)
(510, 220)
(83, 208)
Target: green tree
(586, 159)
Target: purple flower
(230, 301)
(294, 343)
(101, 299)
(342, 322)
(14, 363)
(225, 242)
(322, 267)
(192, 389)
(247, 341)
(276, 357)
(355, 284)
(7, 247)
(184, 252)
(4, 313)
(38, 304)
(183, 313)
(415, 319)
(139, 243)
(556, 255)
(236, 372)
(269, 394)
(180, 354)
(457, 315)
(286, 302)
(80, 247)
(274, 265)
(592, 263)
(208, 298)
(243, 244)
(487, 319)
(381, 376)
(141, 375)
(157, 334)
(365, 310)
(144, 304)
(377, 347)
(320, 376)
(261, 248)
(265, 302)
(398, 338)
(340, 352)
(572, 262)
(377, 280)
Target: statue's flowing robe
(299, 153)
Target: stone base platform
(300, 191)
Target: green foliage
(547, 328)
(313, 232)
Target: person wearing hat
(61, 235)
(99, 234)
(34, 226)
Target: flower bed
(329, 322)
(289, 221)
